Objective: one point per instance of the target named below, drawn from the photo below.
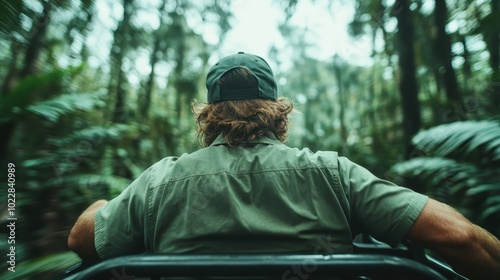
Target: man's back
(259, 197)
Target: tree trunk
(120, 110)
(371, 91)
(494, 49)
(153, 60)
(148, 89)
(437, 105)
(117, 83)
(408, 86)
(467, 68)
(179, 69)
(341, 94)
(11, 69)
(35, 46)
(494, 39)
(442, 51)
(120, 44)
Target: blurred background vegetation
(422, 110)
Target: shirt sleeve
(379, 207)
(119, 225)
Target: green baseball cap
(266, 85)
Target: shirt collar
(268, 139)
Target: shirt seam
(149, 211)
(98, 242)
(240, 173)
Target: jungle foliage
(87, 102)
(459, 164)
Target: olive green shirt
(259, 197)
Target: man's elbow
(81, 237)
(73, 243)
(83, 247)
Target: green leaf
(487, 137)
(31, 269)
(23, 94)
(493, 145)
(489, 212)
(482, 189)
(85, 180)
(493, 200)
(95, 135)
(36, 162)
(30, 89)
(61, 105)
(10, 12)
(470, 141)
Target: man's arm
(81, 237)
(469, 249)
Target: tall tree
(442, 51)
(158, 50)
(493, 43)
(121, 44)
(408, 87)
(494, 37)
(339, 70)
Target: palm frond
(463, 185)
(476, 142)
(87, 187)
(96, 135)
(32, 269)
(432, 174)
(31, 88)
(64, 104)
(84, 180)
(461, 167)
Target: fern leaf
(473, 141)
(432, 174)
(64, 104)
(490, 211)
(86, 180)
(96, 135)
(483, 189)
(492, 201)
(31, 87)
(32, 269)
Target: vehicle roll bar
(250, 265)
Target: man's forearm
(491, 245)
(469, 249)
(487, 253)
(81, 237)
(479, 258)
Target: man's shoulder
(215, 159)
(326, 158)
(185, 165)
(170, 161)
(303, 157)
